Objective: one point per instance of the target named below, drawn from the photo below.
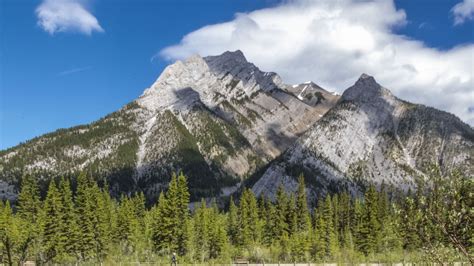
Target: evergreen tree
(52, 224)
(170, 231)
(69, 229)
(335, 222)
(28, 208)
(202, 232)
(29, 203)
(270, 228)
(291, 215)
(85, 209)
(329, 232)
(345, 218)
(281, 212)
(127, 224)
(318, 245)
(390, 238)
(248, 220)
(137, 223)
(370, 227)
(218, 240)
(182, 213)
(303, 218)
(233, 222)
(161, 229)
(410, 219)
(300, 246)
(285, 247)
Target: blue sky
(53, 79)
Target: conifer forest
(78, 221)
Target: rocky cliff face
(370, 136)
(220, 119)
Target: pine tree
(345, 217)
(124, 216)
(335, 211)
(291, 215)
(137, 223)
(233, 222)
(249, 224)
(69, 229)
(52, 224)
(28, 208)
(108, 217)
(328, 232)
(281, 212)
(369, 233)
(300, 246)
(182, 213)
(85, 209)
(358, 224)
(270, 228)
(318, 245)
(285, 247)
(161, 229)
(170, 231)
(202, 234)
(29, 203)
(410, 219)
(303, 218)
(390, 238)
(218, 240)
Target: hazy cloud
(74, 70)
(333, 41)
(463, 11)
(66, 16)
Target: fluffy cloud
(333, 41)
(66, 16)
(463, 11)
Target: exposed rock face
(219, 119)
(370, 136)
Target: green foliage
(249, 224)
(88, 226)
(51, 221)
(172, 215)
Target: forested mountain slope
(371, 136)
(220, 120)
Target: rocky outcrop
(371, 136)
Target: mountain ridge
(220, 120)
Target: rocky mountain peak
(229, 75)
(366, 89)
(227, 56)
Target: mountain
(371, 136)
(218, 119)
(223, 121)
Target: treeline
(85, 224)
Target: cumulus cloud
(333, 41)
(463, 11)
(66, 16)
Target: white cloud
(333, 41)
(66, 16)
(463, 11)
